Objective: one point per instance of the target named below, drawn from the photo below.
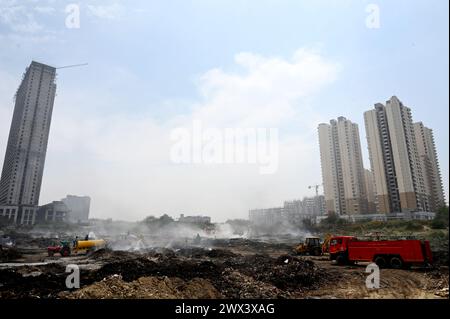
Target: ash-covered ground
(156, 266)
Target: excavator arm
(326, 243)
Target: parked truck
(65, 248)
(385, 253)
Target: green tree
(440, 221)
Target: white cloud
(18, 18)
(24, 24)
(45, 10)
(110, 12)
(122, 161)
(267, 92)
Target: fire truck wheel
(396, 262)
(380, 261)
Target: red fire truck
(385, 253)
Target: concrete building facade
(426, 149)
(371, 195)
(266, 216)
(53, 212)
(23, 167)
(394, 159)
(342, 167)
(309, 206)
(79, 207)
(292, 215)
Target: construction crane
(316, 187)
(72, 66)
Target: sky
(158, 66)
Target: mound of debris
(236, 285)
(220, 253)
(9, 254)
(201, 253)
(438, 281)
(114, 287)
(107, 255)
(134, 268)
(32, 281)
(440, 258)
(193, 272)
(235, 276)
(250, 245)
(286, 272)
(22, 239)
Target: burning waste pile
(194, 264)
(182, 261)
(217, 273)
(166, 273)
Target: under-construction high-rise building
(23, 167)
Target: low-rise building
(56, 211)
(9, 213)
(309, 206)
(384, 217)
(194, 219)
(79, 207)
(292, 213)
(266, 216)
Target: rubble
(214, 272)
(9, 254)
(235, 268)
(438, 282)
(114, 287)
(440, 257)
(239, 286)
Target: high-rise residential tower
(430, 166)
(23, 167)
(371, 195)
(342, 167)
(394, 158)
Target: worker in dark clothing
(197, 239)
(87, 237)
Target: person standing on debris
(87, 237)
(197, 239)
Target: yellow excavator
(313, 246)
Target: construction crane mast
(316, 187)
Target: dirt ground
(225, 268)
(394, 283)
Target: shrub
(414, 225)
(438, 224)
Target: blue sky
(147, 60)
